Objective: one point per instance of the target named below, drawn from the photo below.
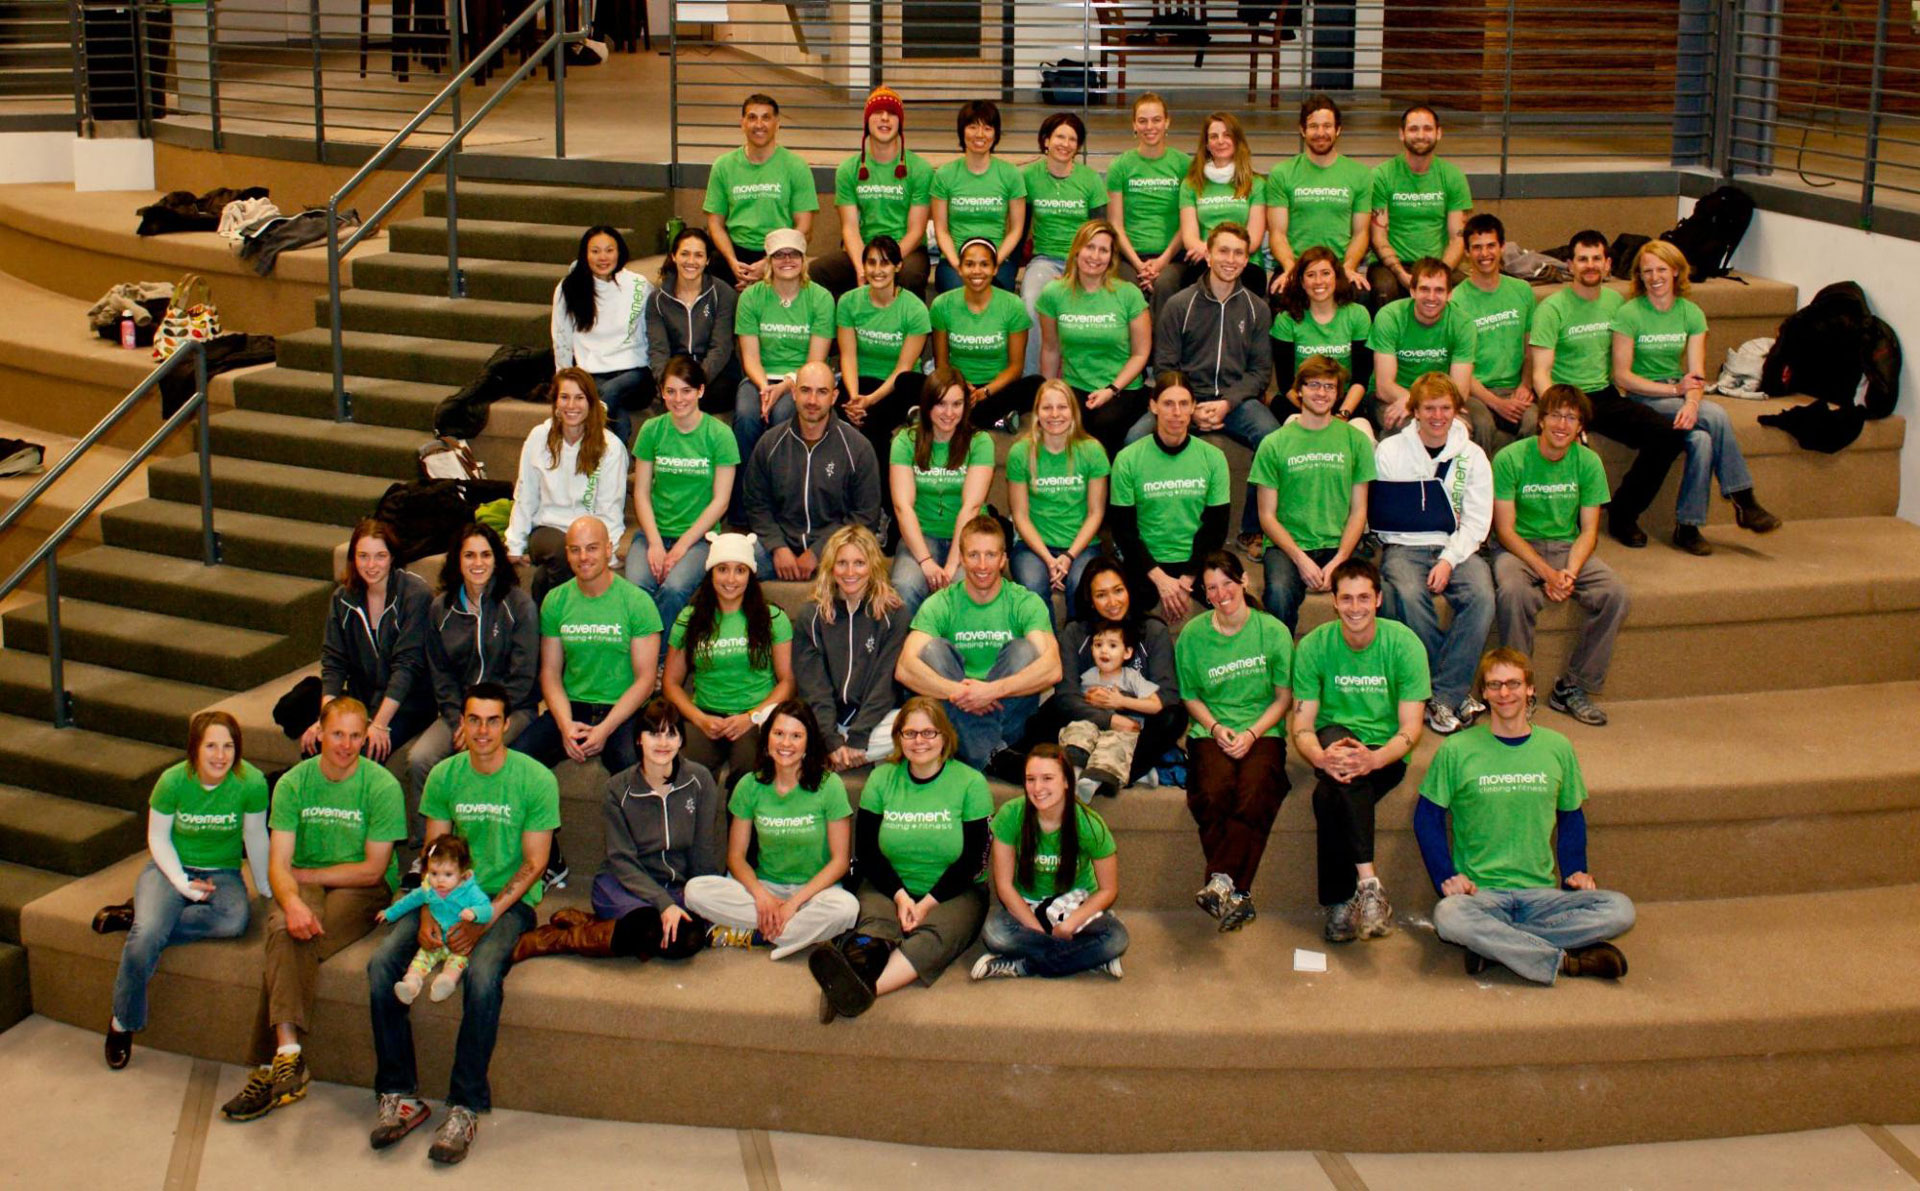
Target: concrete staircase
(152, 635)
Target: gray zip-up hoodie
(702, 329)
(846, 667)
(497, 642)
(798, 493)
(384, 661)
(1223, 348)
(658, 839)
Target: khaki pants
(291, 974)
(1106, 749)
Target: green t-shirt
(1149, 190)
(1418, 349)
(977, 343)
(1351, 324)
(207, 824)
(1579, 333)
(1312, 474)
(1096, 843)
(1217, 203)
(921, 829)
(979, 631)
(884, 200)
(723, 676)
(492, 811)
(1500, 321)
(977, 203)
(1659, 340)
(937, 490)
(332, 821)
(1056, 207)
(756, 199)
(1417, 205)
(1095, 340)
(1320, 201)
(683, 467)
(1233, 675)
(786, 331)
(596, 636)
(1548, 495)
(1057, 485)
(1361, 691)
(879, 332)
(1504, 799)
(791, 827)
(1169, 492)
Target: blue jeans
(910, 581)
(1098, 941)
(162, 918)
(1712, 451)
(748, 426)
(1041, 272)
(1453, 655)
(1285, 589)
(672, 595)
(480, 989)
(1247, 423)
(1030, 573)
(621, 392)
(945, 277)
(981, 736)
(1528, 930)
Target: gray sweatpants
(1519, 595)
(726, 901)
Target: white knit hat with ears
(731, 547)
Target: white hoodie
(618, 340)
(553, 493)
(1403, 457)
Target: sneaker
(269, 1088)
(729, 936)
(1215, 894)
(1112, 968)
(1239, 912)
(1748, 514)
(411, 879)
(1372, 913)
(557, 874)
(119, 1050)
(399, 1116)
(1442, 719)
(1568, 699)
(455, 1136)
(1340, 922)
(1102, 777)
(998, 967)
(1688, 540)
(1601, 959)
(110, 919)
(1253, 546)
(1626, 531)
(1085, 790)
(1470, 709)
(1477, 963)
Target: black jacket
(847, 667)
(384, 661)
(1223, 348)
(798, 494)
(657, 841)
(1152, 657)
(497, 642)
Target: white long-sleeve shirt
(618, 340)
(1403, 457)
(553, 493)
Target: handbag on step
(191, 315)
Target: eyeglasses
(1562, 415)
(1319, 386)
(786, 254)
(919, 734)
(1505, 684)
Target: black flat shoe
(119, 1047)
(1748, 514)
(113, 918)
(840, 984)
(1687, 538)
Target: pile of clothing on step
(248, 219)
(183, 211)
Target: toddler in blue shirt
(452, 896)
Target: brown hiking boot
(1601, 959)
(571, 916)
(594, 938)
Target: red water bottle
(126, 331)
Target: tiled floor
(70, 1122)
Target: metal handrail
(554, 45)
(47, 552)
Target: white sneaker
(997, 967)
(1441, 718)
(1470, 709)
(1372, 912)
(1215, 895)
(1112, 968)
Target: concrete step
(20, 884)
(408, 405)
(251, 540)
(75, 763)
(176, 647)
(186, 587)
(65, 836)
(275, 489)
(387, 452)
(577, 207)
(436, 316)
(105, 699)
(423, 273)
(393, 357)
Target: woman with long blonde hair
(845, 645)
(1221, 187)
(1057, 489)
(1095, 335)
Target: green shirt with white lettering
(1233, 674)
(1095, 330)
(879, 332)
(721, 673)
(1548, 494)
(1216, 203)
(1417, 205)
(683, 464)
(921, 823)
(1056, 207)
(977, 343)
(492, 811)
(1500, 321)
(1361, 690)
(1312, 474)
(786, 329)
(1579, 333)
(1320, 201)
(1659, 337)
(753, 200)
(333, 821)
(1057, 485)
(938, 489)
(1417, 348)
(1149, 190)
(1504, 800)
(1096, 843)
(791, 828)
(1169, 492)
(596, 636)
(884, 199)
(207, 824)
(1351, 324)
(979, 631)
(977, 203)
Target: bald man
(806, 478)
(599, 656)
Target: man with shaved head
(806, 478)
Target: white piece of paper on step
(1309, 961)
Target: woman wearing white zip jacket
(372, 648)
(571, 466)
(600, 324)
(1431, 504)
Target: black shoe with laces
(119, 1047)
(557, 871)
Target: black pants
(1111, 421)
(637, 935)
(1140, 588)
(1650, 433)
(1016, 398)
(722, 272)
(835, 271)
(1343, 819)
(884, 416)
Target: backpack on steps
(1709, 236)
(1836, 351)
(425, 514)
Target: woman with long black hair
(600, 324)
